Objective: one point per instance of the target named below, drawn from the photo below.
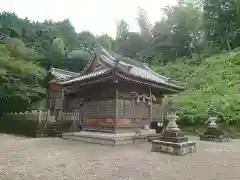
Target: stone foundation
(153, 137)
(106, 138)
(146, 132)
(214, 134)
(214, 138)
(178, 149)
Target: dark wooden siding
(129, 108)
(54, 98)
(125, 108)
(94, 109)
(90, 96)
(157, 112)
(99, 109)
(99, 115)
(73, 104)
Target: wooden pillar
(116, 101)
(81, 113)
(48, 104)
(62, 98)
(133, 109)
(150, 95)
(162, 107)
(98, 115)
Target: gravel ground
(58, 159)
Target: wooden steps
(55, 129)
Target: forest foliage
(193, 41)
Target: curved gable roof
(113, 60)
(63, 74)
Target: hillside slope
(215, 81)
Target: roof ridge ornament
(116, 63)
(146, 64)
(129, 68)
(106, 52)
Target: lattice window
(125, 108)
(107, 108)
(52, 104)
(141, 111)
(90, 109)
(59, 101)
(156, 112)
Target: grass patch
(215, 81)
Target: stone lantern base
(178, 149)
(214, 134)
(173, 142)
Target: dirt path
(54, 158)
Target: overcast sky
(97, 16)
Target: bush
(215, 81)
(20, 126)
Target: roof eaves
(167, 84)
(110, 59)
(156, 74)
(164, 80)
(154, 85)
(62, 75)
(86, 76)
(65, 71)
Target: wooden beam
(150, 95)
(116, 99)
(74, 88)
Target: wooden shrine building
(113, 94)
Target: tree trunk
(228, 44)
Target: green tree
(179, 31)
(221, 22)
(19, 50)
(144, 24)
(10, 25)
(86, 39)
(58, 47)
(106, 41)
(129, 45)
(122, 29)
(21, 81)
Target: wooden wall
(129, 108)
(98, 107)
(107, 107)
(157, 112)
(99, 115)
(54, 98)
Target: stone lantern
(172, 140)
(213, 132)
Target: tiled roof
(86, 76)
(63, 74)
(135, 68)
(139, 82)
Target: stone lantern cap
(211, 111)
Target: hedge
(19, 126)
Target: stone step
(55, 125)
(59, 131)
(57, 128)
(38, 135)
